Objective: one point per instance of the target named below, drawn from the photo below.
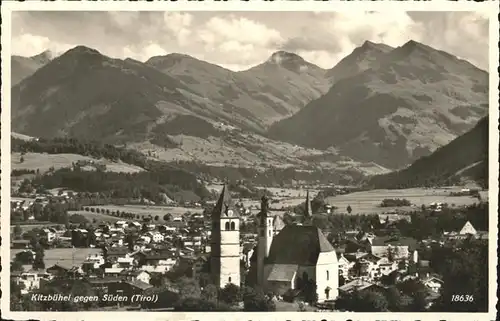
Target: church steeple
(225, 241)
(264, 210)
(224, 205)
(308, 210)
(265, 238)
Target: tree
(18, 231)
(256, 300)
(469, 264)
(38, 262)
(156, 280)
(157, 218)
(16, 266)
(230, 294)
(364, 301)
(167, 217)
(130, 239)
(394, 299)
(417, 291)
(25, 257)
(195, 304)
(209, 293)
(189, 288)
(349, 209)
(309, 291)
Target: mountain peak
(82, 50)
(43, 57)
(369, 45)
(281, 56)
(413, 45)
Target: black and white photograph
(250, 161)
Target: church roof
(278, 223)
(282, 272)
(224, 206)
(298, 244)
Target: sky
(239, 40)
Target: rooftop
(300, 245)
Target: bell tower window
(226, 226)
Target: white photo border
(488, 7)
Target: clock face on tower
(230, 213)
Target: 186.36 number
(462, 298)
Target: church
(285, 255)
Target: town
(174, 257)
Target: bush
(289, 296)
(230, 294)
(256, 300)
(396, 202)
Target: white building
(225, 242)
(296, 253)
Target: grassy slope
(465, 156)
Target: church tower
(225, 242)
(308, 210)
(265, 238)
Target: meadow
(141, 210)
(63, 256)
(367, 202)
(43, 162)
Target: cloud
(239, 29)
(144, 53)
(30, 45)
(242, 39)
(179, 24)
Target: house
(113, 253)
(125, 262)
(282, 277)
(63, 270)
(157, 237)
(395, 247)
(20, 244)
(433, 283)
(135, 224)
(344, 266)
(247, 251)
(135, 275)
(120, 224)
(360, 285)
(49, 233)
(385, 267)
(113, 271)
(367, 266)
(30, 280)
(93, 262)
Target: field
(368, 201)
(29, 227)
(99, 217)
(142, 211)
(34, 161)
(62, 256)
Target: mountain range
(412, 100)
(463, 160)
(380, 108)
(23, 67)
